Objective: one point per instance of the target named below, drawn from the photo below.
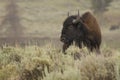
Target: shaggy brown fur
(94, 33)
(91, 23)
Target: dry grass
(49, 63)
(45, 18)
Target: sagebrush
(49, 63)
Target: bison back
(92, 23)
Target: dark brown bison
(82, 30)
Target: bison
(81, 30)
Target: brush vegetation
(44, 18)
(49, 63)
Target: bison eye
(70, 27)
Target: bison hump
(91, 22)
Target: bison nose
(62, 39)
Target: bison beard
(84, 29)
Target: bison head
(73, 29)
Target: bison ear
(80, 25)
(75, 21)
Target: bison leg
(78, 43)
(88, 44)
(98, 49)
(65, 46)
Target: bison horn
(78, 13)
(68, 14)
